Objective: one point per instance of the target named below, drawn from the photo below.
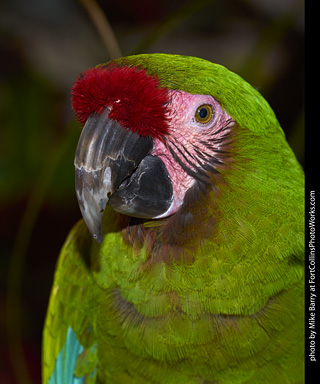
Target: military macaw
(188, 267)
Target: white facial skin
(189, 136)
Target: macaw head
(157, 128)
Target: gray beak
(107, 154)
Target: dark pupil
(203, 113)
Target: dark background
(43, 47)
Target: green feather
(218, 298)
(198, 76)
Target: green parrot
(188, 267)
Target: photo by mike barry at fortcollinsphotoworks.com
(311, 281)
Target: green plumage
(211, 294)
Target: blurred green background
(43, 47)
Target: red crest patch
(134, 98)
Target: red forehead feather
(135, 98)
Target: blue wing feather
(66, 361)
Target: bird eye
(204, 113)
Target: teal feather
(66, 361)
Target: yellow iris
(204, 113)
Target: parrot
(187, 266)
